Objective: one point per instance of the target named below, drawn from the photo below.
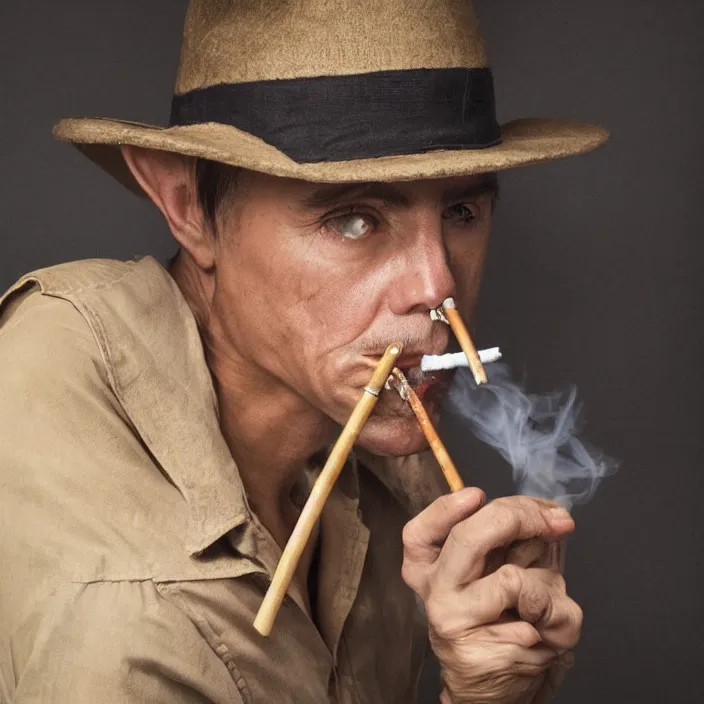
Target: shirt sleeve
(119, 643)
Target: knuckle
(559, 582)
(504, 516)
(509, 578)
(409, 535)
(503, 501)
(535, 604)
(437, 614)
(414, 544)
(414, 577)
(564, 623)
(568, 628)
(534, 510)
(408, 573)
(576, 615)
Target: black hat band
(359, 116)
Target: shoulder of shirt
(108, 298)
(69, 277)
(40, 326)
(75, 283)
(66, 433)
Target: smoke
(535, 434)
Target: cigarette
(462, 334)
(435, 362)
(310, 514)
(436, 445)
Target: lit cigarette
(435, 362)
(310, 514)
(447, 466)
(462, 334)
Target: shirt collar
(155, 358)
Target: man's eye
(464, 212)
(353, 226)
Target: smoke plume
(535, 434)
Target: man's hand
(501, 623)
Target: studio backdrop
(593, 275)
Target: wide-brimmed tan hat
(335, 91)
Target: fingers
(547, 614)
(530, 553)
(423, 536)
(540, 598)
(523, 553)
(511, 631)
(500, 523)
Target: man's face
(314, 281)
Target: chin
(392, 437)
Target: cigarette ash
(535, 434)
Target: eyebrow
(325, 196)
(487, 184)
(329, 195)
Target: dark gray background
(593, 276)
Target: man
(329, 177)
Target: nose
(426, 279)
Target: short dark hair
(215, 182)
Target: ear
(168, 180)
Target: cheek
(299, 305)
(467, 258)
(338, 306)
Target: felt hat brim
(525, 141)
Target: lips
(407, 362)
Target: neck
(271, 431)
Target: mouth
(430, 387)
(418, 379)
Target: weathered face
(314, 281)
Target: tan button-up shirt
(131, 565)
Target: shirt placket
(343, 549)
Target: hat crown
(237, 41)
